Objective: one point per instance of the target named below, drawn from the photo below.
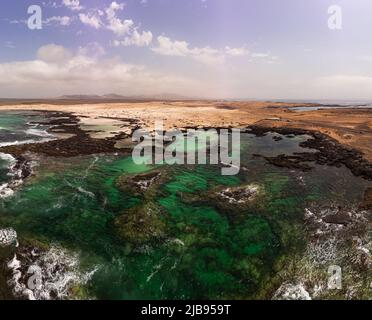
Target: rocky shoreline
(77, 142)
(329, 152)
(80, 143)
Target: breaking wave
(17, 171)
(46, 275)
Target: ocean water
(331, 107)
(88, 237)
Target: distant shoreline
(6, 102)
(351, 127)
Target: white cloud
(207, 55)
(117, 26)
(167, 47)
(93, 49)
(236, 52)
(73, 5)
(91, 19)
(58, 20)
(53, 53)
(51, 21)
(57, 71)
(125, 29)
(138, 39)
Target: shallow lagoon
(195, 249)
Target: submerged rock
(237, 199)
(240, 195)
(142, 184)
(232, 201)
(326, 221)
(336, 236)
(141, 224)
(139, 184)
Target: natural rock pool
(98, 226)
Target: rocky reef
(80, 143)
(141, 184)
(141, 224)
(337, 238)
(231, 200)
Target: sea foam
(46, 275)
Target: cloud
(125, 29)
(138, 39)
(58, 20)
(51, 21)
(73, 5)
(236, 52)
(117, 26)
(91, 19)
(58, 71)
(53, 53)
(167, 47)
(207, 55)
(93, 49)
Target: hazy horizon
(212, 49)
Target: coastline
(74, 140)
(349, 127)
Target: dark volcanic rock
(367, 201)
(277, 138)
(141, 224)
(139, 184)
(291, 162)
(339, 218)
(329, 152)
(75, 146)
(234, 201)
(80, 144)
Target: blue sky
(257, 49)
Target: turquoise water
(174, 241)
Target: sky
(223, 49)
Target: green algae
(184, 249)
(141, 224)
